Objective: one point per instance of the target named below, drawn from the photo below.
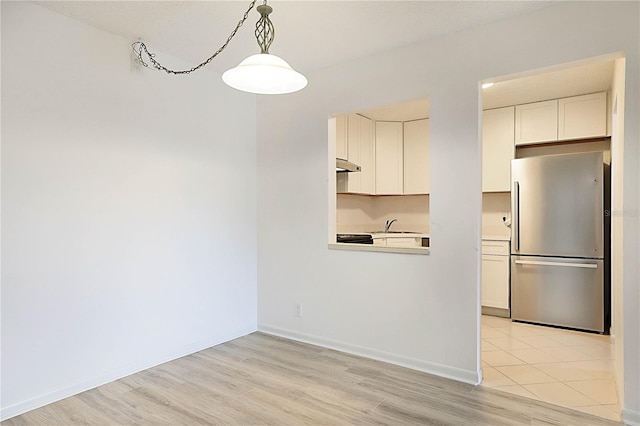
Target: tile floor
(562, 367)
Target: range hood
(343, 166)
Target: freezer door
(557, 205)
(558, 291)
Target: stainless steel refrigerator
(559, 242)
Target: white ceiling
(414, 109)
(311, 35)
(593, 76)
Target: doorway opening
(565, 110)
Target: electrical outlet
(299, 310)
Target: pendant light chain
(139, 47)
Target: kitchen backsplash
(365, 213)
(495, 206)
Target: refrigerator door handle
(567, 264)
(516, 216)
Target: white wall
(617, 225)
(421, 311)
(495, 206)
(128, 234)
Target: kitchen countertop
(383, 249)
(496, 238)
(398, 235)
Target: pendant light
(262, 73)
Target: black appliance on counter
(354, 238)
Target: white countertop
(496, 238)
(383, 249)
(375, 235)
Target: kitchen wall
(422, 311)
(365, 213)
(128, 237)
(603, 145)
(355, 213)
(495, 206)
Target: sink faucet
(388, 225)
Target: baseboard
(458, 374)
(51, 397)
(496, 312)
(630, 417)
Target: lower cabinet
(398, 241)
(495, 274)
(404, 242)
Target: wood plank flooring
(265, 380)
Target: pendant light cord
(140, 48)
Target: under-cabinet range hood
(343, 166)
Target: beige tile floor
(562, 367)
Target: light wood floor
(261, 379)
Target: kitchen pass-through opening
(379, 188)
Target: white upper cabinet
(361, 151)
(497, 149)
(389, 158)
(341, 137)
(537, 122)
(577, 117)
(582, 117)
(416, 156)
(353, 151)
(393, 156)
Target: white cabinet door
(582, 117)
(361, 151)
(379, 241)
(497, 149)
(353, 152)
(537, 122)
(495, 281)
(341, 137)
(389, 158)
(367, 156)
(495, 274)
(416, 157)
(403, 242)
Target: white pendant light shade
(264, 74)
